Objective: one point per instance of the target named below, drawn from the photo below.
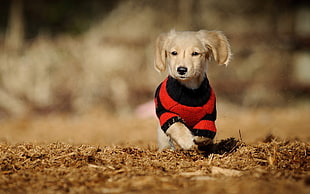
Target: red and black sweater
(196, 108)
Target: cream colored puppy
(186, 55)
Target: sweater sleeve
(166, 117)
(206, 127)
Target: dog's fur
(192, 50)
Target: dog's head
(186, 53)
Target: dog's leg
(164, 141)
(181, 135)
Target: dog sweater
(195, 108)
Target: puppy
(184, 101)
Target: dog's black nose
(182, 70)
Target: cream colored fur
(191, 50)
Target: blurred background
(74, 56)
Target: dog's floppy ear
(160, 51)
(217, 42)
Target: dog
(185, 102)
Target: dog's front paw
(181, 135)
(186, 142)
(202, 141)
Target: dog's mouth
(182, 77)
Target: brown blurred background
(76, 70)
(71, 56)
(73, 70)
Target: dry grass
(276, 166)
(101, 153)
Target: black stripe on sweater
(189, 97)
(204, 133)
(171, 121)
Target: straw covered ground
(271, 167)
(101, 153)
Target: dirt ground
(263, 150)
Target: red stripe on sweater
(206, 125)
(165, 117)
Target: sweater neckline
(186, 96)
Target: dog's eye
(174, 53)
(195, 53)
